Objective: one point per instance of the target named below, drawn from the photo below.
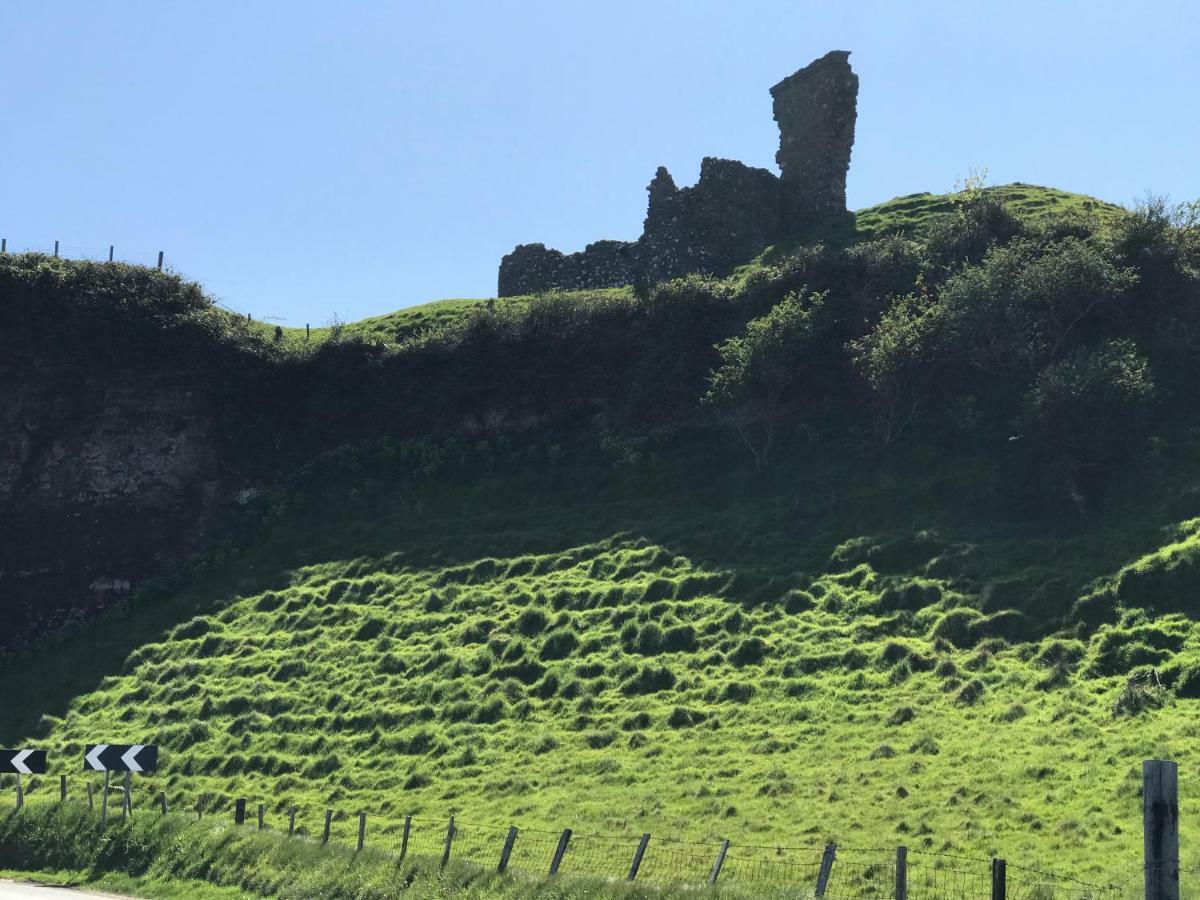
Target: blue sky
(305, 160)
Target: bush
(750, 652)
(957, 627)
(559, 644)
(649, 680)
(531, 622)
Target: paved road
(13, 890)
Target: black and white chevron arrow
(120, 758)
(23, 762)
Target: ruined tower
(734, 211)
(816, 108)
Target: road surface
(20, 890)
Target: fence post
(127, 799)
(239, 811)
(716, 869)
(449, 842)
(291, 821)
(637, 857)
(362, 830)
(508, 848)
(307, 333)
(560, 850)
(262, 809)
(162, 802)
(999, 879)
(20, 792)
(901, 873)
(827, 859)
(91, 805)
(3, 245)
(104, 802)
(328, 822)
(160, 256)
(56, 248)
(404, 839)
(1160, 828)
(110, 252)
(199, 808)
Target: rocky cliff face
(105, 478)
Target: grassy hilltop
(892, 540)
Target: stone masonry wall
(816, 111)
(734, 211)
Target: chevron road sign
(121, 758)
(23, 762)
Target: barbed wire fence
(819, 871)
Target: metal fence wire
(830, 872)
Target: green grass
(670, 651)
(150, 888)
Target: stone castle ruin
(734, 211)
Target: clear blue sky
(305, 159)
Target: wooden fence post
(827, 859)
(508, 848)
(637, 857)
(362, 830)
(328, 822)
(20, 792)
(262, 811)
(104, 803)
(56, 248)
(239, 811)
(110, 252)
(716, 869)
(127, 797)
(291, 821)
(449, 842)
(162, 801)
(560, 850)
(3, 245)
(1160, 829)
(199, 808)
(62, 788)
(404, 839)
(902, 873)
(91, 804)
(999, 879)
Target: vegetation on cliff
(637, 561)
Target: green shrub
(559, 644)
(750, 652)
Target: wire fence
(89, 252)
(824, 871)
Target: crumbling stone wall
(816, 109)
(532, 268)
(734, 211)
(728, 217)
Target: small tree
(760, 366)
(1089, 410)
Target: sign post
(23, 762)
(127, 758)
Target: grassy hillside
(532, 574)
(674, 654)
